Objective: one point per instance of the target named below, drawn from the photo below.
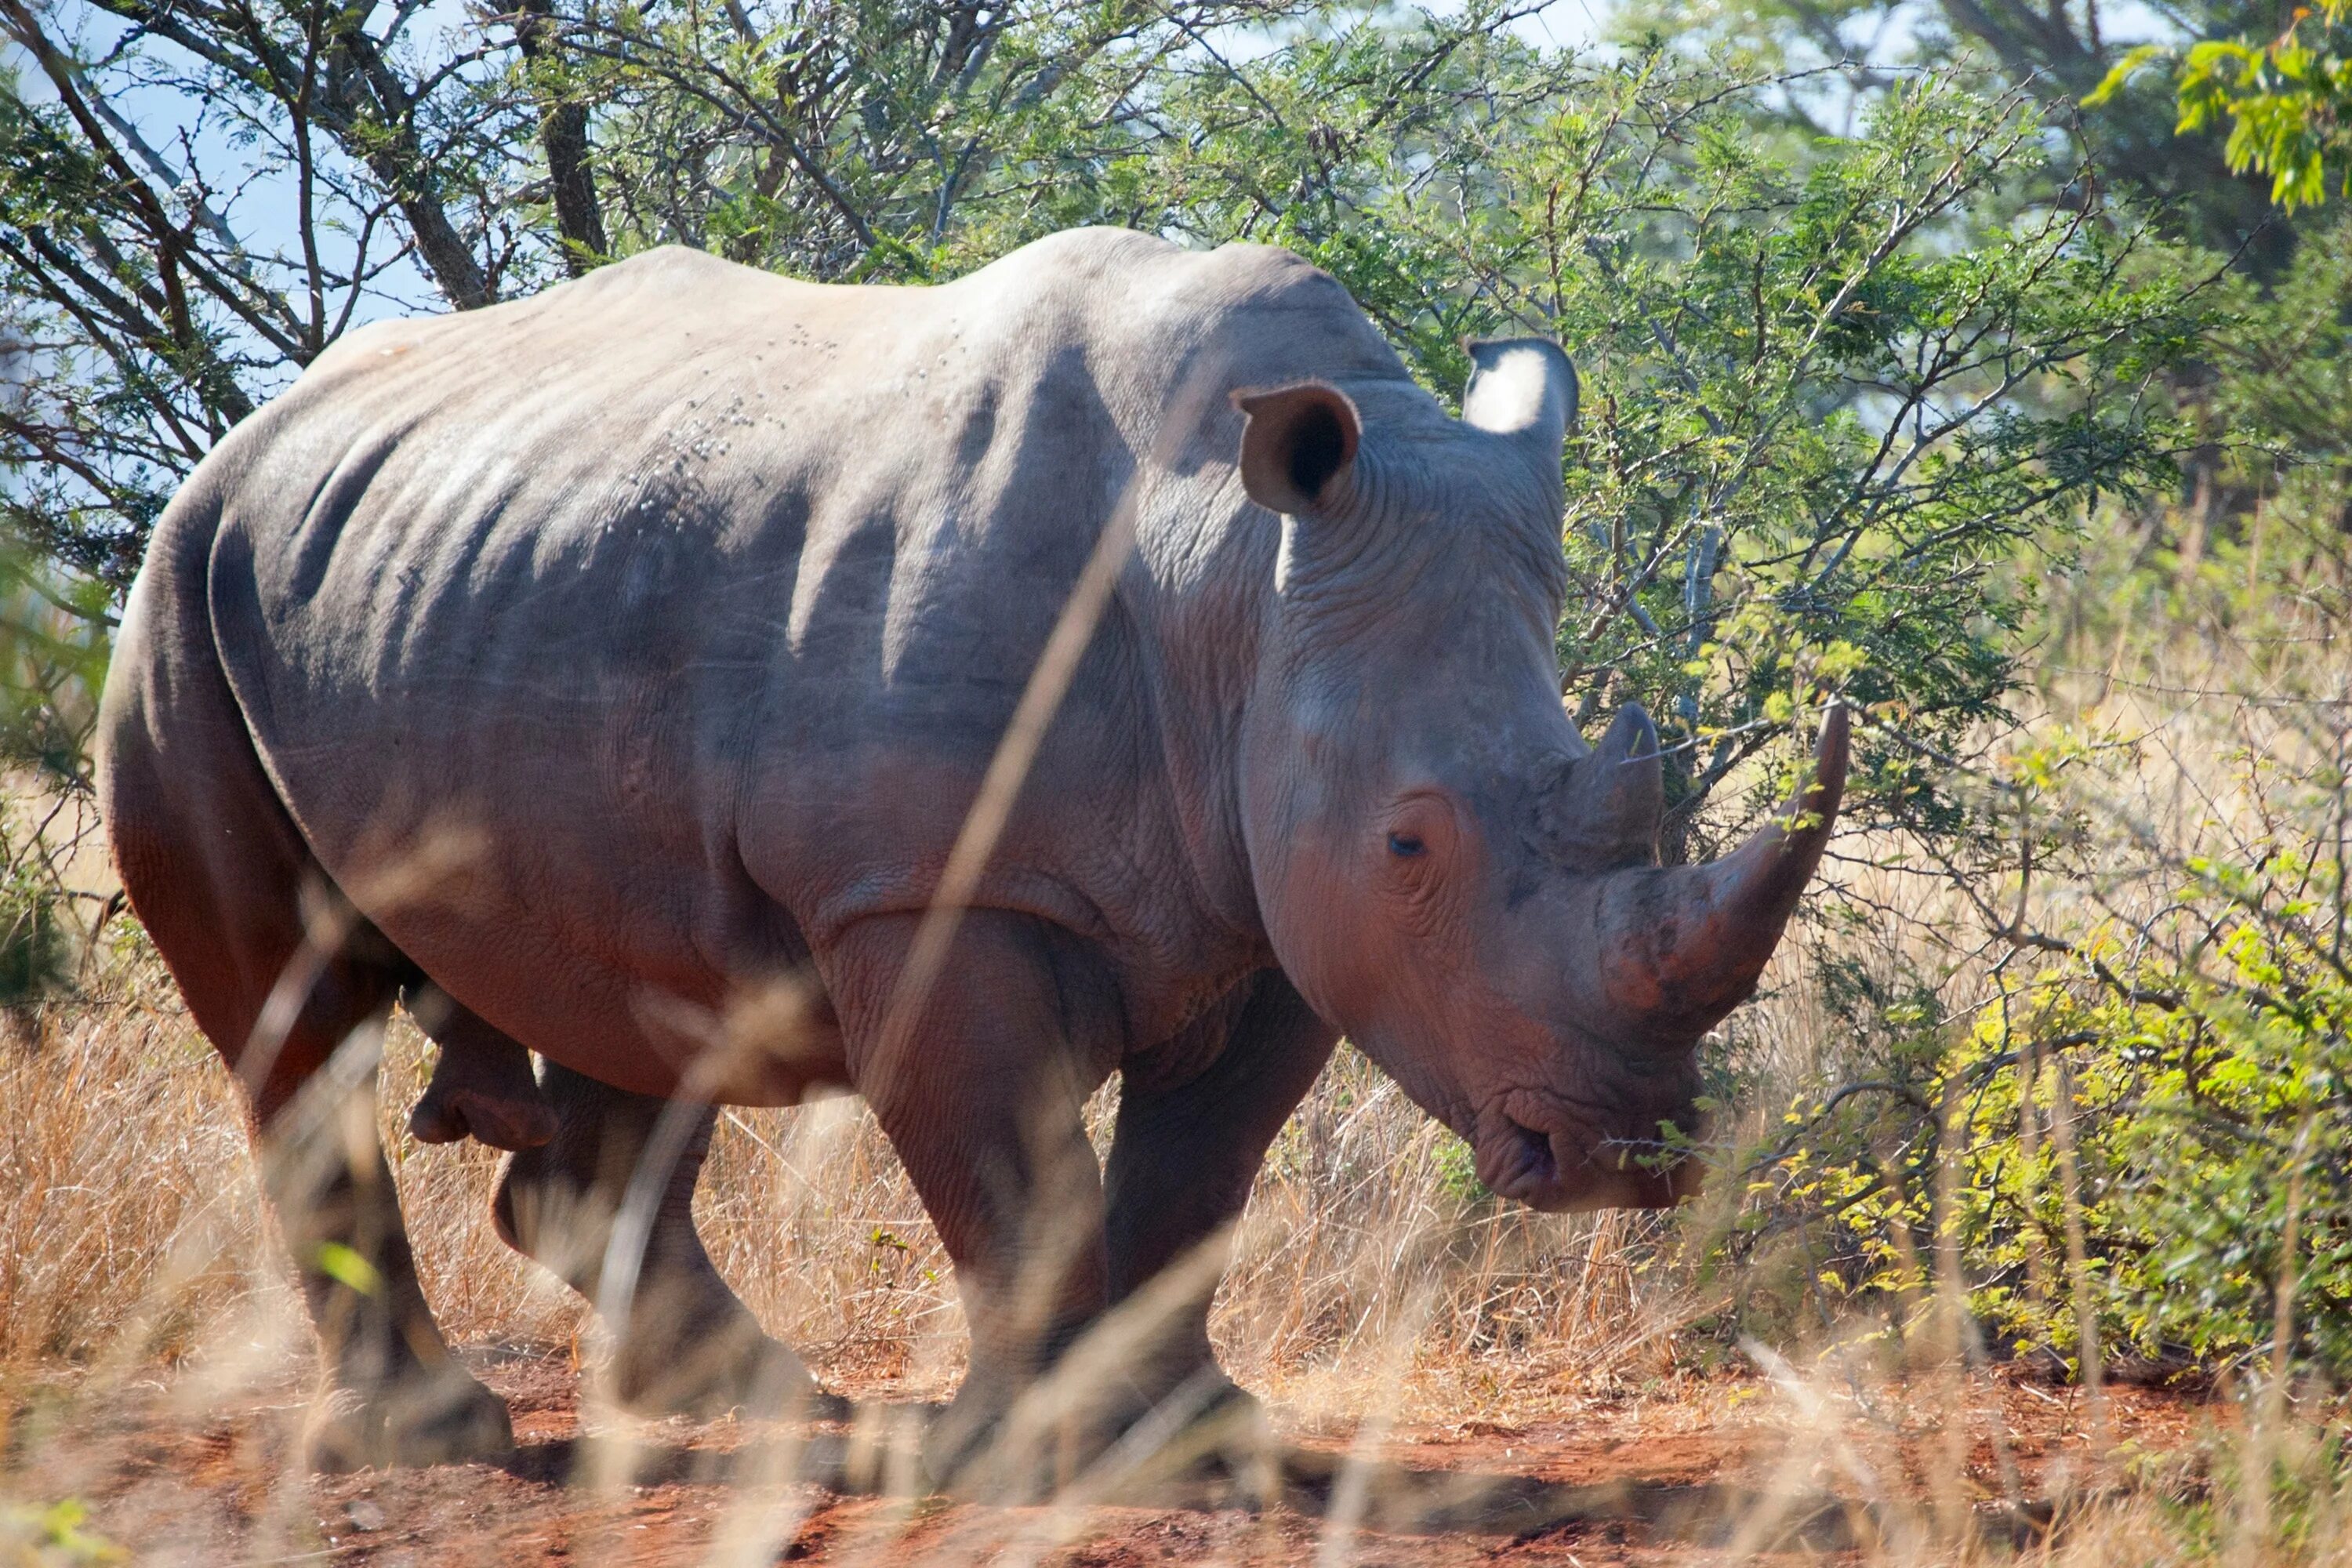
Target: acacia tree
(198, 196)
(1826, 409)
(884, 140)
(1825, 404)
(160, 276)
(2060, 53)
(1829, 404)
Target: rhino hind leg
(292, 988)
(414, 1404)
(685, 1344)
(481, 1087)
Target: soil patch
(174, 1479)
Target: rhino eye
(1406, 845)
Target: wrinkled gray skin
(630, 657)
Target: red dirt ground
(1601, 1482)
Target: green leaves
(1826, 397)
(2287, 103)
(1830, 386)
(347, 1268)
(37, 1536)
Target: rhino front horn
(1681, 948)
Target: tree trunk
(564, 137)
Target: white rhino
(581, 668)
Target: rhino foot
(705, 1364)
(1206, 1440)
(449, 1419)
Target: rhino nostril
(1535, 1153)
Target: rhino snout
(1558, 1159)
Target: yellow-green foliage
(2284, 100)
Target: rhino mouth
(1568, 1169)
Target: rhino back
(617, 644)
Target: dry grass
(141, 1229)
(1372, 1287)
(134, 1224)
(1366, 1283)
(1369, 1279)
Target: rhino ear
(1523, 389)
(1299, 446)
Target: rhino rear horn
(1607, 810)
(1681, 948)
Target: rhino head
(1447, 871)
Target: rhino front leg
(979, 1086)
(1182, 1159)
(689, 1346)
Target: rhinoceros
(611, 676)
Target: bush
(38, 944)
(2093, 1069)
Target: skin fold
(610, 676)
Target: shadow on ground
(870, 1450)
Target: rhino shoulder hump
(663, 262)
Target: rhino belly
(578, 930)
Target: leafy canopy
(2287, 103)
